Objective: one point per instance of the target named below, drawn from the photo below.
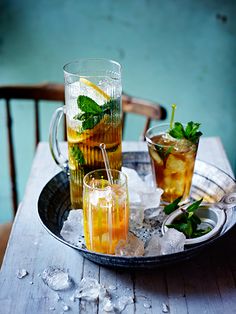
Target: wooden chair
(48, 92)
(151, 110)
(55, 92)
(37, 93)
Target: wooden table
(204, 284)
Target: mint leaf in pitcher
(91, 113)
(88, 105)
(91, 121)
(77, 154)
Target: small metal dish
(210, 215)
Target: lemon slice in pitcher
(88, 88)
(94, 91)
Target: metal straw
(106, 162)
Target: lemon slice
(94, 88)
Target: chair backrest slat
(36, 120)
(12, 164)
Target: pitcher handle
(59, 158)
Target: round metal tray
(208, 182)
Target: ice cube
(75, 215)
(174, 184)
(155, 214)
(135, 183)
(155, 156)
(96, 196)
(141, 194)
(132, 247)
(165, 308)
(21, 273)
(172, 242)
(151, 199)
(122, 302)
(112, 288)
(107, 305)
(149, 181)
(183, 145)
(175, 164)
(154, 246)
(56, 278)
(89, 289)
(72, 230)
(66, 308)
(136, 216)
(52, 308)
(147, 305)
(74, 89)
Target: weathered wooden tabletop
(204, 284)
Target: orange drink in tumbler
(106, 210)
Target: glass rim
(78, 61)
(125, 178)
(159, 126)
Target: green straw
(172, 115)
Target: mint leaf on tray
(188, 222)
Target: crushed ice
(72, 230)
(132, 247)
(172, 242)
(56, 278)
(66, 308)
(146, 218)
(91, 290)
(147, 305)
(21, 273)
(142, 195)
(165, 308)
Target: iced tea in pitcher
(93, 116)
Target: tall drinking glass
(93, 116)
(172, 162)
(106, 210)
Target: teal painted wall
(171, 51)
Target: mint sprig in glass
(173, 148)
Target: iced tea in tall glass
(172, 161)
(106, 210)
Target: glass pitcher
(93, 112)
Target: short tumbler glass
(106, 210)
(172, 162)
